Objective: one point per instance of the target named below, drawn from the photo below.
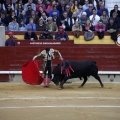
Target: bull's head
(57, 79)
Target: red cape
(31, 74)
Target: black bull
(80, 69)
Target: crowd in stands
(50, 15)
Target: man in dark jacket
(46, 35)
(29, 35)
(61, 6)
(67, 21)
(115, 10)
(112, 29)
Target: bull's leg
(85, 80)
(60, 86)
(98, 78)
(62, 83)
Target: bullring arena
(19, 101)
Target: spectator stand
(106, 40)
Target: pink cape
(31, 74)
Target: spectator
(115, 10)
(97, 4)
(4, 19)
(116, 19)
(112, 29)
(88, 26)
(104, 17)
(18, 2)
(19, 9)
(40, 11)
(28, 11)
(79, 11)
(61, 34)
(68, 22)
(34, 16)
(40, 3)
(10, 40)
(100, 11)
(100, 29)
(76, 28)
(54, 10)
(67, 9)
(30, 2)
(86, 5)
(89, 10)
(71, 3)
(56, 19)
(31, 24)
(8, 3)
(8, 10)
(1, 8)
(64, 15)
(94, 18)
(83, 19)
(50, 6)
(62, 23)
(30, 35)
(41, 26)
(46, 35)
(44, 17)
(61, 7)
(23, 17)
(51, 26)
(75, 6)
(74, 18)
(12, 15)
(13, 26)
(22, 26)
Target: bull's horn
(52, 76)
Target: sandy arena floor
(19, 101)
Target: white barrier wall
(2, 36)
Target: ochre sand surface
(19, 101)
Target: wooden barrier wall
(106, 56)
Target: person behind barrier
(94, 18)
(47, 55)
(115, 10)
(76, 29)
(10, 40)
(104, 17)
(61, 34)
(46, 35)
(112, 29)
(100, 29)
(13, 25)
(30, 35)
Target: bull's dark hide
(81, 69)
